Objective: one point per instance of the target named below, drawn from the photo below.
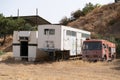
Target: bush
(118, 47)
(64, 21)
(112, 22)
(77, 14)
(1, 52)
(89, 7)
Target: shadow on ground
(11, 60)
(116, 64)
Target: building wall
(16, 45)
(48, 41)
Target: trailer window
(92, 46)
(85, 35)
(70, 33)
(49, 31)
(46, 31)
(73, 33)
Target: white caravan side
(25, 45)
(61, 38)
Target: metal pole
(18, 13)
(36, 16)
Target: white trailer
(52, 38)
(25, 45)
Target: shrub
(1, 52)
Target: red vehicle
(95, 49)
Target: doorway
(24, 48)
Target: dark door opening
(24, 48)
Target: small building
(25, 45)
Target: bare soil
(63, 70)
(7, 45)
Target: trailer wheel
(66, 55)
(95, 60)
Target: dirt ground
(7, 45)
(63, 70)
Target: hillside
(104, 20)
(8, 44)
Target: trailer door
(78, 43)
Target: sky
(51, 10)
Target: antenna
(36, 11)
(18, 13)
(36, 17)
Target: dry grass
(64, 70)
(7, 46)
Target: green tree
(20, 25)
(64, 21)
(8, 25)
(3, 27)
(77, 14)
(118, 47)
(89, 7)
(27, 27)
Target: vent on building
(23, 38)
